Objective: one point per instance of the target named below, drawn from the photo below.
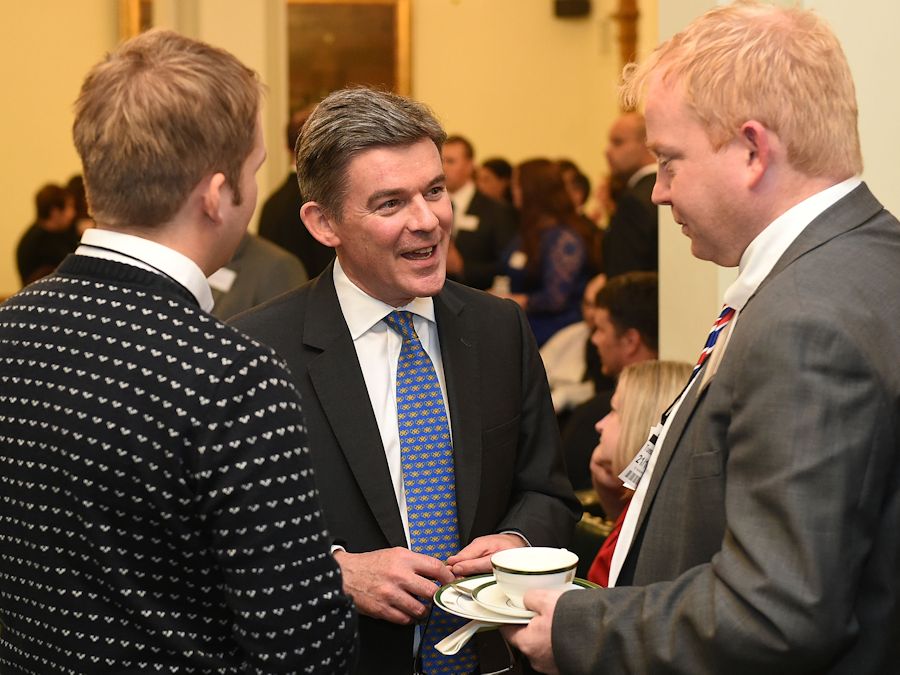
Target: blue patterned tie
(426, 456)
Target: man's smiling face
(394, 229)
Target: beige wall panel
(46, 47)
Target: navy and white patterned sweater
(157, 505)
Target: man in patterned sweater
(158, 511)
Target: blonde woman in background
(643, 393)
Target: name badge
(633, 473)
(222, 279)
(466, 222)
(518, 260)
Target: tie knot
(402, 323)
(725, 315)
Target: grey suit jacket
(769, 541)
(263, 270)
(509, 468)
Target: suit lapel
(848, 213)
(339, 385)
(670, 442)
(459, 353)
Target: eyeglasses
(417, 658)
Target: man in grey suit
(369, 163)
(763, 536)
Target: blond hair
(643, 393)
(782, 67)
(154, 118)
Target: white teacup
(518, 570)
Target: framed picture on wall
(135, 16)
(337, 43)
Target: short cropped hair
(782, 67)
(156, 116)
(468, 148)
(351, 121)
(50, 197)
(632, 300)
(498, 166)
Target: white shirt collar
(640, 173)
(149, 255)
(362, 311)
(462, 198)
(769, 245)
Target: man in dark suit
(279, 220)
(51, 238)
(625, 330)
(631, 241)
(482, 227)
(369, 163)
(762, 536)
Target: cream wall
(518, 81)
(46, 46)
(691, 291)
(507, 73)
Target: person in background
(643, 393)
(158, 506)
(632, 240)
(548, 263)
(494, 179)
(279, 219)
(492, 476)
(578, 185)
(258, 271)
(482, 226)
(762, 535)
(625, 330)
(571, 360)
(47, 242)
(82, 220)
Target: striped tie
(725, 316)
(426, 457)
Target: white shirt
(378, 350)
(757, 261)
(148, 255)
(462, 198)
(565, 362)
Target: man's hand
(534, 638)
(476, 557)
(387, 584)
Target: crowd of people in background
(520, 231)
(425, 354)
(531, 232)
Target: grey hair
(348, 122)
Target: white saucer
(492, 598)
(457, 602)
(451, 599)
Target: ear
(757, 142)
(214, 196)
(631, 339)
(319, 224)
